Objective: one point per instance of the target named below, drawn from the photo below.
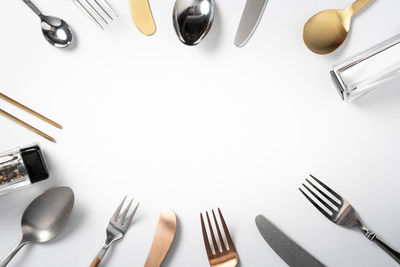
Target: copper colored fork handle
(96, 262)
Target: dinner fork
(91, 10)
(226, 256)
(342, 213)
(116, 229)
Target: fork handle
(392, 253)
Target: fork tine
(123, 215)
(102, 8)
(93, 9)
(214, 241)
(221, 240)
(87, 13)
(319, 199)
(109, 7)
(327, 188)
(130, 217)
(334, 202)
(205, 237)
(227, 235)
(116, 213)
(316, 205)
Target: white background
(195, 128)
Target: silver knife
(286, 248)
(251, 16)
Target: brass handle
(357, 5)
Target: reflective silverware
(44, 218)
(141, 15)
(55, 30)
(116, 229)
(163, 239)
(326, 31)
(226, 256)
(286, 248)
(251, 16)
(340, 211)
(192, 19)
(100, 12)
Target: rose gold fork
(222, 256)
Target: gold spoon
(326, 31)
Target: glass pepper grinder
(21, 167)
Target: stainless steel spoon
(55, 30)
(193, 19)
(44, 218)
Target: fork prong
(130, 217)
(221, 240)
(329, 207)
(103, 3)
(116, 213)
(205, 238)
(123, 215)
(327, 188)
(97, 12)
(214, 241)
(316, 205)
(334, 202)
(87, 13)
(104, 10)
(227, 235)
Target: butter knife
(286, 248)
(251, 16)
(141, 15)
(163, 239)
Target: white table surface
(195, 128)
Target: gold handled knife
(163, 239)
(141, 15)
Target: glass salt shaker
(21, 167)
(368, 70)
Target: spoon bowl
(56, 31)
(327, 30)
(193, 19)
(44, 218)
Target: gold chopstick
(40, 116)
(11, 117)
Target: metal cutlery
(224, 255)
(141, 15)
(116, 229)
(26, 125)
(44, 218)
(251, 16)
(327, 30)
(99, 11)
(163, 239)
(289, 251)
(193, 19)
(55, 30)
(339, 211)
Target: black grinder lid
(34, 163)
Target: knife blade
(142, 16)
(286, 248)
(251, 16)
(163, 239)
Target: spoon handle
(357, 5)
(33, 7)
(11, 255)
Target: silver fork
(342, 213)
(106, 14)
(116, 229)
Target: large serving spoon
(192, 19)
(44, 218)
(326, 31)
(55, 30)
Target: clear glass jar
(368, 70)
(21, 167)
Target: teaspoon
(55, 30)
(327, 30)
(192, 19)
(44, 218)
